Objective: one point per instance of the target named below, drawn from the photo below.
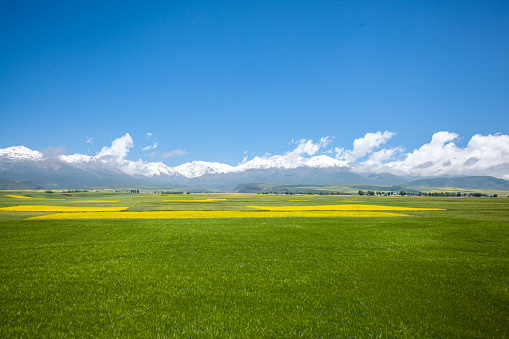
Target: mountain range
(21, 164)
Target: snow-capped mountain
(150, 169)
(19, 153)
(108, 168)
(77, 158)
(198, 168)
(289, 162)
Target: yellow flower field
(20, 196)
(25, 197)
(94, 200)
(218, 215)
(343, 208)
(34, 208)
(197, 200)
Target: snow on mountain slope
(189, 170)
(77, 158)
(20, 153)
(149, 169)
(198, 168)
(324, 161)
(132, 168)
(289, 162)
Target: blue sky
(215, 79)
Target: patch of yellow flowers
(25, 197)
(342, 208)
(20, 197)
(319, 211)
(94, 200)
(197, 200)
(217, 215)
(34, 208)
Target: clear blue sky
(217, 78)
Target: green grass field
(433, 274)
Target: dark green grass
(439, 274)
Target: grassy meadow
(237, 265)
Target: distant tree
(361, 192)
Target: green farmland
(433, 268)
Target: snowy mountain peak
(324, 161)
(198, 168)
(77, 158)
(20, 153)
(157, 168)
(290, 162)
(189, 170)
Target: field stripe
(217, 215)
(197, 200)
(94, 200)
(346, 207)
(25, 197)
(35, 208)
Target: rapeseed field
(388, 267)
(217, 215)
(36, 208)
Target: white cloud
(53, 152)
(441, 156)
(118, 150)
(302, 155)
(363, 146)
(149, 135)
(90, 140)
(174, 153)
(154, 145)
(384, 155)
(308, 146)
(483, 155)
(244, 159)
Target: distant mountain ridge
(19, 164)
(472, 182)
(15, 185)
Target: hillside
(15, 185)
(474, 182)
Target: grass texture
(442, 272)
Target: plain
(435, 273)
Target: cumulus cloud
(149, 135)
(118, 150)
(174, 153)
(384, 155)
(483, 155)
(363, 146)
(441, 156)
(308, 146)
(304, 154)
